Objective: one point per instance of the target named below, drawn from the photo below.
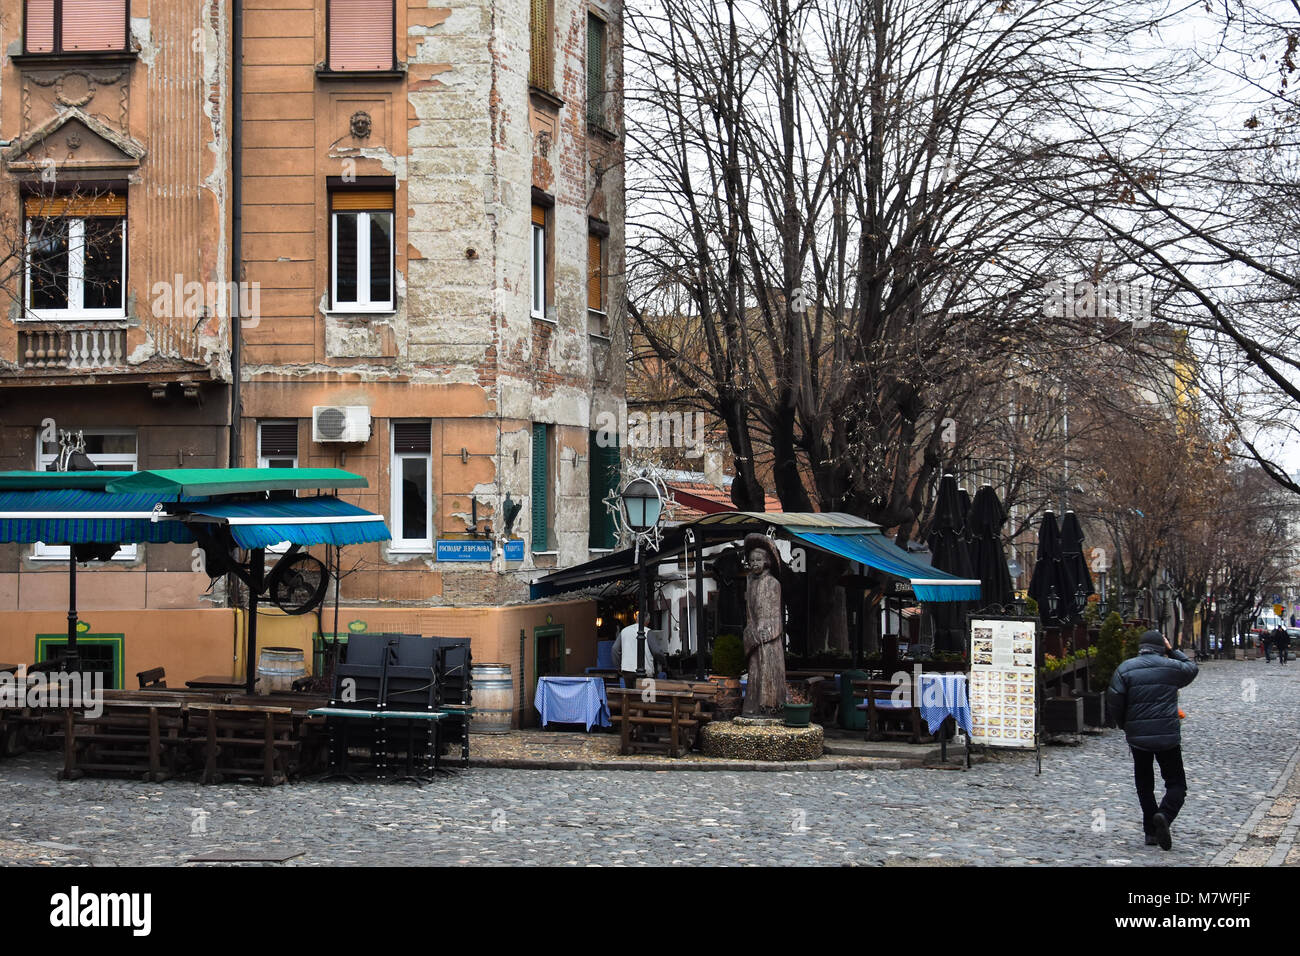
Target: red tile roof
(695, 499)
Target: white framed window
(277, 447)
(412, 486)
(361, 251)
(110, 450)
(75, 266)
(537, 262)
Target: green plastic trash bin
(850, 717)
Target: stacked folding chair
(390, 702)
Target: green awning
(232, 481)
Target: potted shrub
(728, 664)
(797, 709)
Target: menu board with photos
(1003, 684)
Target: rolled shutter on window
(414, 437)
(595, 291)
(540, 66)
(361, 35)
(361, 200)
(539, 215)
(278, 439)
(40, 26)
(94, 24)
(81, 207)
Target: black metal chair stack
(456, 695)
(395, 688)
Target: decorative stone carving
(98, 145)
(764, 629)
(361, 124)
(73, 89)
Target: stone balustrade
(72, 349)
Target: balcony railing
(72, 349)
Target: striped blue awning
(877, 551)
(302, 521)
(78, 516)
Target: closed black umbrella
(1075, 565)
(1052, 586)
(990, 563)
(949, 553)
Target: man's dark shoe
(1160, 828)
(1151, 839)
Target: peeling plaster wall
(459, 136)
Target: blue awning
(876, 551)
(77, 516)
(302, 521)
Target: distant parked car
(1293, 635)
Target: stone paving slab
(1239, 744)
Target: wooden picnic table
(131, 737)
(244, 740)
(670, 711)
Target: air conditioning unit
(340, 423)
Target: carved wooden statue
(764, 630)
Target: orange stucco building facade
(383, 236)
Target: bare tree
(844, 206)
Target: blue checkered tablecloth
(942, 696)
(572, 700)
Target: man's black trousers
(1171, 769)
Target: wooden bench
(879, 696)
(664, 718)
(244, 740)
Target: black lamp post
(1052, 600)
(642, 507)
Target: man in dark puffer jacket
(1143, 697)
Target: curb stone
(792, 766)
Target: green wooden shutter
(595, 70)
(602, 532)
(539, 487)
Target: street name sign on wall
(471, 550)
(1003, 685)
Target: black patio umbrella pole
(256, 569)
(70, 655)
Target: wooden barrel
(278, 668)
(494, 698)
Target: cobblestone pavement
(1240, 745)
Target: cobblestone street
(1240, 746)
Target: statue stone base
(750, 739)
